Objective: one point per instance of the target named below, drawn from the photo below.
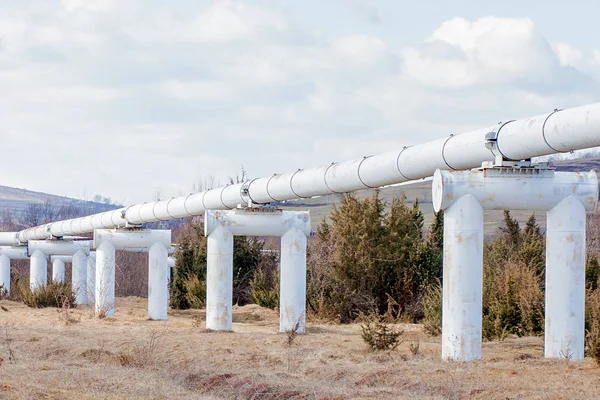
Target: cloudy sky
(125, 98)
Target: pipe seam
(544, 130)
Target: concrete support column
(79, 277)
(158, 282)
(91, 278)
(38, 270)
(58, 270)
(105, 279)
(5, 273)
(171, 264)
(292, 294)
(463, 274)
(565, 280)
(219, 279)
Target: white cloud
(596, 59)
(89, 5)
(494, 50)
(568, 55)
(224, 21)
(360, 49)
(173, 93)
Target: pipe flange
(221, 197)
(443, 151)
(292, 186)
(544, 129)
(398, 163)
(267, 188)
(358, 172)
(140, 213)
(168, 213)
(185, 206)
(244, 192)
(496, 134)
(249, 195)
(325, 178)
(153, 213)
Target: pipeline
(554, 132)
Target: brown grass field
(129, 357)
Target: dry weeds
(129, 357)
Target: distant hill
(17, 201)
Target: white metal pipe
(91, 278)
(79, 277)
(219, 279)
(171, 262)
(514, 189)
(105, 279)
(9, 239)
(59, 247)
(565, 280)
(38, 270)
(170, 249)
(65, 259)
(462, 284)
(256, 222)
(15, 253)
(292, 293)
(565, 130)
(124, 239)
(58, 270)
(158, 276)
(4, 273)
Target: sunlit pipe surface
(554, 132)
(136, 239)
(38, 270)
(4, 273)
(59, 247)
(58, 270)
(105, 279)
(91, 277)
(14, 253)
(509, 189)
(564, 328)
(158, 289)
(79, 277)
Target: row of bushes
(54, 294)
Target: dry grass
(129, 357)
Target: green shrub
(592, 324)
(380, 335)
(264, 289)
(432, 308)
(54, 294)
(3, 292)
(195, 291)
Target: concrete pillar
(79, 277)
(158, 275)
(5, 273)
(38, 270)
(292, 294)
(105, 279)
(58, 270)
(171, 264)
(565, 280)
(463, 274)
(91, 277)
(219, 279)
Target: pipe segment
(549, 133)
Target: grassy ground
(129, 357)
